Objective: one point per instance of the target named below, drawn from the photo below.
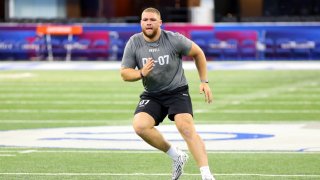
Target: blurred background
(71, 30)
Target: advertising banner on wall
(273, 41)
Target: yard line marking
(89, 121)
(259, 95)
(72, 102)
(269, 175)
(112, 111)
(273, 102)
(17, 75)
(116, 111)
(93, 151)
(73, 95)
(7, 155)
(27, 151)
(155, 152)
(44, 121)
(283, 111)
(248, 121)
(157, 174)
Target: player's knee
(137, 128)
(142, 123)
(140, 129)
(187, 131)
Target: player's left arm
(201, 64)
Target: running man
(155, 56)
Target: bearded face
(150, 24)
(150, 32)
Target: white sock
(173, 153)
(205, 171)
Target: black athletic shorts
(170, 103)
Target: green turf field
(47, 99)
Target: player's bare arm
(130, 74)
(201, 64)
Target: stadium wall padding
(227, 41)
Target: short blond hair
(152, 10)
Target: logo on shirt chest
(154, 50)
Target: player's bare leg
(196, 146)
(143, 125)
(184, 123)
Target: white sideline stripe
(152, 152)
(273, 102)
(135, 102)
(43, 121)
(89, 121)
(268, 175)
(112, 111)
(116, 111)
(158, 174)
(73, 102)
(310, 88)
(73, 95)
(267, 111)
(132, 96)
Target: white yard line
(155, 174)
(256, 111)
(27, 151)
(7, 155)
(266, 93)
(90, 121)
(72, 102)
(235, 102)
(116, 111)
(71, 95)
(30, 151)
(44, 121)
(111, 111)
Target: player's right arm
(130, 74)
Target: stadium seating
(23, 49)
(231, 50)
(41, 51)
(6, 47)
(268, 49)
(99, 49)
(80, 49)
(248, 49)
(302, 49)
(283, 49)
(214, 49)
(58, 49)
(315, 52)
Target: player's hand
(147, 68)
(204, 88)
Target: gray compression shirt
(167, 53)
